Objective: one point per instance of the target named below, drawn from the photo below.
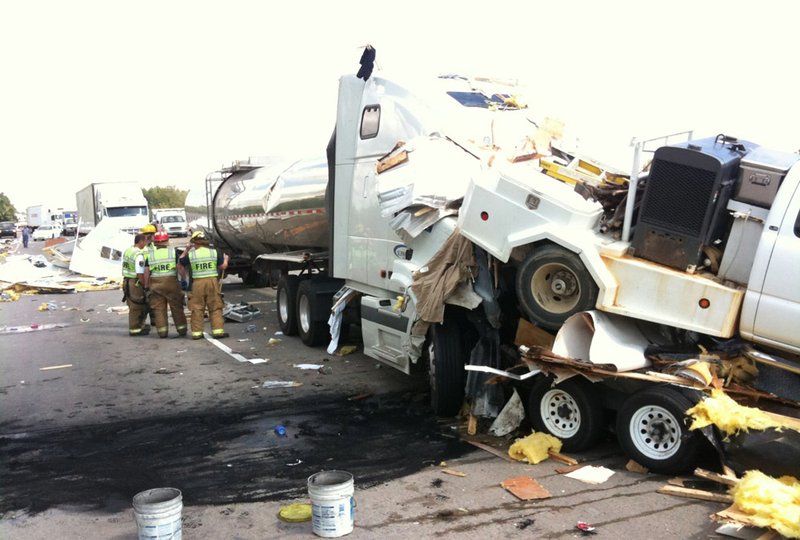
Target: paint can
(158, 513)
(332, 503)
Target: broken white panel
(99, 253)
(591, 474)
(509, 418)
(436, 174)
(602, 338)
(24, 268)
(412, 221)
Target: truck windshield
(172, 219)
(124, 211)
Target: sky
(165, 92)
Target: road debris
(525, 488)
(534, 448)
(359, 397)
(280, 384)
(510, 416)
(525, 523)
(344, 350)
(453, 472)
(240, 312)
(273, 341)
(307, 366)
(280, 430)
(32, 328)
(295, 513)
(585, 528)
(591, 474)
(62, 366)
(634, 467)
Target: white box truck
(123, 202)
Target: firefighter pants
(165, 291)
(205, 294)
(137, 305)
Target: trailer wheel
(287, 302)
(312, 332)
(553, 284)
(446, 372)
(652, 428)
(571, 411)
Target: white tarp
(602, 338)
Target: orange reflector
(704, 303)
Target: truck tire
(570, 411)
(312, 332)
(653, 430)
(552, 284)
(286, 299)
(446, 372)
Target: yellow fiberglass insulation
(534, 447)
(730, 417)
(770, 502)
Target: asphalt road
(128, 414)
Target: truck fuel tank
(278, 206)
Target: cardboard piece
(525, 488)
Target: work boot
(197, 337)
(221, 336)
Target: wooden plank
(525, 488)
(491, 450)
(695, 494)
(453, 472)
(716, 477)
(562, 458)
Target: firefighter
(148, 231)
(133, 288)
(205, 265)
(161, 277)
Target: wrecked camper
(447, 216)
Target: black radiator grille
(678, 197)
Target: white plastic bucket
(158, 513)
(332, 503)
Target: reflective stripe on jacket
(162, 262)
(203, 262)
(129, 262)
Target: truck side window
(370, 121)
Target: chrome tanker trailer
(268, 215)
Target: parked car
(7, 228)
(46, 232)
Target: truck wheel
(571, 411)
(553, 284)
(446, 368)
(652, 428)
(312, 332)
(287, 301)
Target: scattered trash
(585, 528)
(257, 360)
(307, 366)
(65, 308)
(117, 309)
(243, 339)
(280, 384)
(509, 418)
(180, 351)
(295, 513)
(85, 319)
(62, 366)
(359, 397)
(280, 430)
(31, 328)
(273, 341)
(325, 370)
(525, 488)
(525, 523)
(453, 472)
(9, 296)
(634, 467)
(344, 350)
(165, 371)
(295, 464)
(277, 333)
(591, 474)
(437, 482)
(240, 312)
(251, 328)
(47, 306)
(534, 448)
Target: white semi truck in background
(706, 253)
(123, 202)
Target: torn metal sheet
(99, 253)
(602, 338)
